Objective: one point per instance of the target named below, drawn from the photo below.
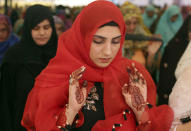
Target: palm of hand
(135, 92)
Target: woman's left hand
(135, 93)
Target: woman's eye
(46, 27)
(36, 28)
(116, 40)
(98, 40)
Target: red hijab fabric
(50, 93)
(74, 49)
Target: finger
(124, 89)
(76, 75)
(80, 71)
(80, 76)
(84, 90)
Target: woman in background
(7, 37)
(23, 62)
(172, 53)
(145, 52)
(149, 16)
(59, 25)
(169, 24)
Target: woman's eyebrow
(99, 36)
(117, 37)
(105, 37)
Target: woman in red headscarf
(89, 86)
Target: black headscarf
(27, 50)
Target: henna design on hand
(79, 95)
(137, 98)
(74, 77)
(136, 81)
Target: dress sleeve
(157, 118)
(44, 104)
(180, 97)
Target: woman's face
(4, 32)
(42, 32)
(105, 45)
(174, 18)
(59, 29)
(150, 14)
(131, 25)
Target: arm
(152, 50)
(46, 104)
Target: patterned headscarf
(129, 10)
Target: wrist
(70, 115)
(138, 114)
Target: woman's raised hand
(135, 92)
(77, 94)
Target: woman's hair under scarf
(27, 50)
(11, 40)
(166, 28)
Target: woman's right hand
(77, 94)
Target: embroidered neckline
(91, 99)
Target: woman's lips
(104, 60)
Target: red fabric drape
(50, 92)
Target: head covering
(27, 50)
(64, 13)
(147, 20)
(14, 16)
(11, 40)
(167, 28)
(18, 27)
(129, 11)
(58, 20)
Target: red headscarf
(50, 93)
(74, 49)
